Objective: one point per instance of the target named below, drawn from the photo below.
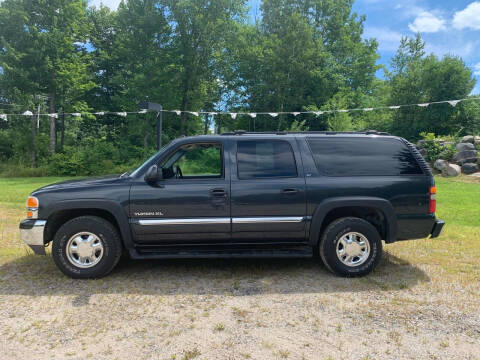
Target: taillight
(433, 200)
(32, 207)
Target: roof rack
(366, 132)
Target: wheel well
(59, 218)
(370, 214)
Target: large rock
(469, 168)
(451, 170)
(477, 140)
(440, 164)
(462, 157)
(463, 146)
(468, 139)
(420, 143)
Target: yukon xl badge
(148, 213)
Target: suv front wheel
(350, 246)
(86, 247)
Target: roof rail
(366, 132)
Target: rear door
(192, 202)
(268, 192)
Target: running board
(304, 252)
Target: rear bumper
(31, 233)
(437, 228)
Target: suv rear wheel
(86, 247)
(350, 246)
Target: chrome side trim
(187, 221)
(271, 219)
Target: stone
(468, 139)
(451, 170)
(469, 168)
(477, 140)
(467, 156)
(440, 164)
(463, 146)
(422, 152)
(420, 143)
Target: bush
(436, 149)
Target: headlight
(32, 207)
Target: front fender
(329, 204)
(114, 208)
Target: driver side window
(199, 160)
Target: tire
(100, 237)
(336, 255)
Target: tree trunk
(33, 153)
(205, 130)
(62, 136)
(53, 132)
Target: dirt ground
(242, 309)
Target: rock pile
(465, 160)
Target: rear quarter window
(363, 157)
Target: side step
(226, 253)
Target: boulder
(420, 143)
(477, 140)
(463, 146)
(467, 156)
(440, 164)
(451, 170)
(469, 168)
(468, 139)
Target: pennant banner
(253, 115)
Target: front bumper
(31, 233)
(437, 228)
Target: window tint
(363, 157)
(265, 158)
(194, 160)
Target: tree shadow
(37, 276)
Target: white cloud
(427, 22)
(112, 4)
(476, 69)
(388, 40)
(452, 46)
(468, 18)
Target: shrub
(436, 149)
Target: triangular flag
(143, 111)
(193, 113)
(122, 114)
(423, 105)
(233, 115)
(100, 113)
(394, 107)
(178, 112)
(53, 116)
(76, 114)
(252, 115)
(342, 110)
(295, 113)
(318, 113)
(368, 109)
(212, 113)
(3, 117)
(27, 113)
(454, 102)
(273, 114)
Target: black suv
(242, 194)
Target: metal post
(159, 129)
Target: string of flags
(234, 115)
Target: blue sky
(447, 26)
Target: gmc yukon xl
(327, 194)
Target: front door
(191, 204)
(268, 192)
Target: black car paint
(403, 200)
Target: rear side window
(363, 157)
(265, 158)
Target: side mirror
(153, 174)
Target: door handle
(289, 191)
(218, 193)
